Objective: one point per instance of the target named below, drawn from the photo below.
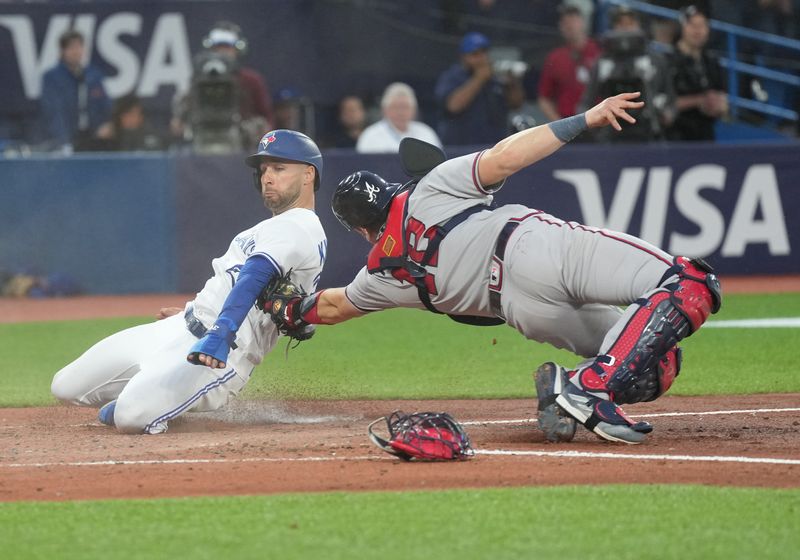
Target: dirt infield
(64, 453)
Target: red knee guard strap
(698, 292)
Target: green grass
(34, 352)
(414, 354)
(632, 522)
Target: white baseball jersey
(293, 240)
(145, 368)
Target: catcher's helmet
(362, 199)
(289, 145)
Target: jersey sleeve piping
(491, 189)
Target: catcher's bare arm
(529, 146)
(333, 307)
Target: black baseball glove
(282, 300)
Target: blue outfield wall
(127, 224)
(106, 220)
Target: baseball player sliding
(442, 245)
(145, 376)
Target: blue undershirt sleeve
(253, 277)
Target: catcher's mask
(362, 200)
(430, 436)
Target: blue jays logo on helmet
(266, 140)
(289, 145)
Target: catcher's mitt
(280, 299)
(430, 436)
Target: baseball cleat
(601, 416)
(556, 424)
(106, 414)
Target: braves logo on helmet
(362, 198)
(372, 192)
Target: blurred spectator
(75, 107)
(351, 121)
(663, 33)
(294, 111)
(566, 69)
(628, 63)
(228, 106)
(399, 108)
(698, 80)
(586, 7)
(129, 130)
(471, 99)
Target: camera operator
(471, 99)
(627, 63)
(228, 106)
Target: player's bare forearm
(525, 148)
(334, 307)
(516, 152)
(165, 312)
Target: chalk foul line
(772, 323)
(653, 415)
(489, 452)
(641, 456)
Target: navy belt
(499, 255)
(193, 324)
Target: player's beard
(281, 202)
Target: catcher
(146, 376)
(440, 244)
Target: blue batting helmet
(289, 145)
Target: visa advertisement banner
(735, 206)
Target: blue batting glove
(217, 342)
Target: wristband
(569, 128)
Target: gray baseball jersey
(560, 282)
